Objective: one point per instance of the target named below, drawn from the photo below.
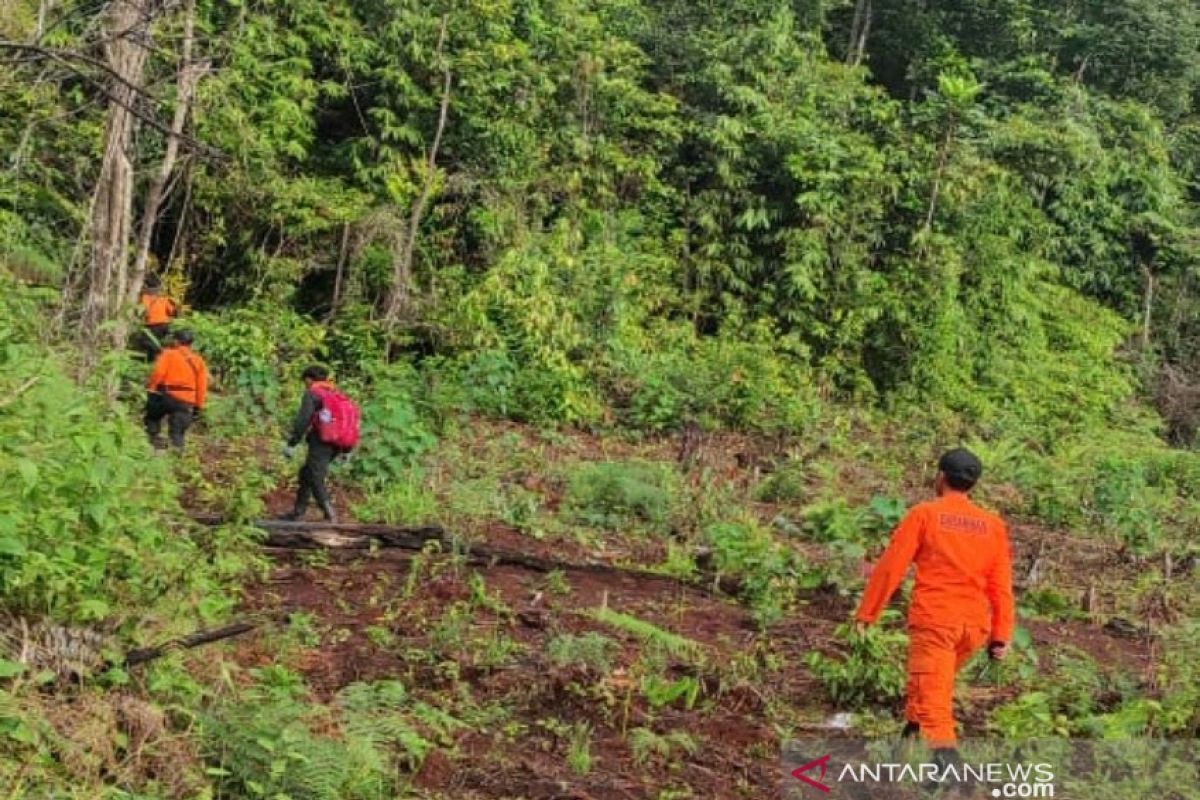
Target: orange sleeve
(201, 384)
(1000, 593)
(892, 567)
(159, 373)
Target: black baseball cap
(183, 336)
(961, 466)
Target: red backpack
(337, 421)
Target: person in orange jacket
(962, 598)
(178, 388)
(158, 311)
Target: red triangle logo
(823, 763)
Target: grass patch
(617, 494)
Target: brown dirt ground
(732, 722)
(369, 629)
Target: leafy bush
(393, 434)
(787, 484)
(835, 521)
(746, 383)
(769, 573)
(870, 671)
(616, 494)
(1127, 503)
(88, 519)
(254, 351)
(1030, 716)
(1123, 484)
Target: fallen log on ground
(196, 639)
(295, 535)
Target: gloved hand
(196, 413)
(997, 651)
(288, 451)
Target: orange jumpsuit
(182, 374)
(962, 598)
(158, 310)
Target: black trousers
(179, 417)
(313, 475)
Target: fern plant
(678, 646)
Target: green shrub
(870, 671)
(1030, 716)
(787, 484)
(768, 572)
(1131, 502)
(89, 519)
(393, 434)
(256, 353)
(750, 383)
(616, 494)
(835, 521)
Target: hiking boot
(328, 512)
(295, 515)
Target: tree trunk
(854, 26)
(112, 208)
(864, 31)
(1147, 306)
(188, 76)
(40, 31)
(338, 278)
(939, 174)
(400, 294)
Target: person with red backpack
(328, 421)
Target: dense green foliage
(715, 225)
(86, 516)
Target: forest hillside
(659, 315)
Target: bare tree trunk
(343, 257)
(41, 20)
(864, 31)
(399, 296)
(1148, 306)
(111, 222)
(939, 174)
(859, 7)
(188, 76)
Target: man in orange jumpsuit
(962, 598)
(178, 388)
(158, 311)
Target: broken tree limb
(295, 535)
(188, 642)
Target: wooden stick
(187, 642)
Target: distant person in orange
(178, 388)
(962, 599)
(158, 311)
